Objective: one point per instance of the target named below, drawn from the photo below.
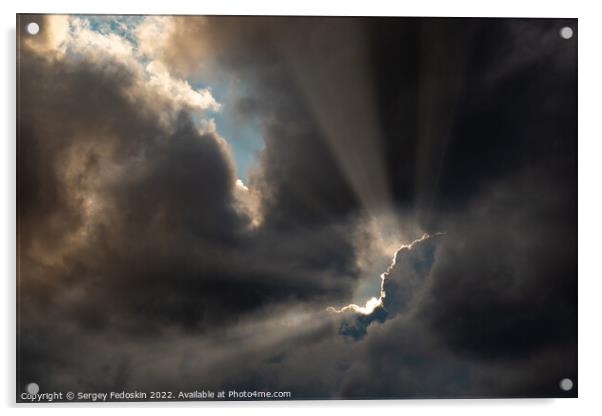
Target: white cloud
(98, 47)
(152, 35)
(178, 90)
(69, 37)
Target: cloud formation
(400, 287)
(136, 236)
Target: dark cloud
(522, 272)
(131, 243)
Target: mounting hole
(566, 384)
(32, 388)
(33, 28)
(566, 32)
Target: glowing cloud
(371, 304)
(374, 303)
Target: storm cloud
(146, 263)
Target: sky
(341, 208)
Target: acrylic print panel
(287, 208)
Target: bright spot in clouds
(241, 185)
(374, 302)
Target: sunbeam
(344, 107)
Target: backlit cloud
(138, 235)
